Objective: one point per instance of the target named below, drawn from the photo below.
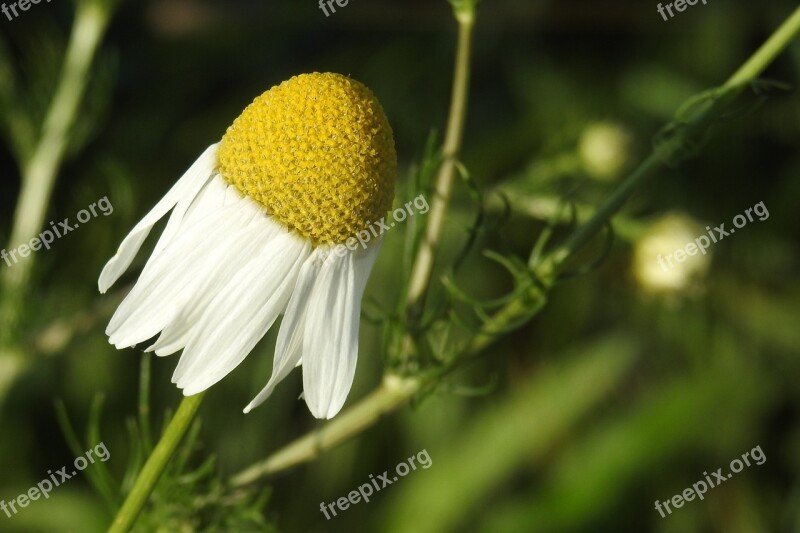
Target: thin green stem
(144, 402)
(767, 53)
(39, 172)
(40, 167)
(365, 413)
(754, 66)
(423, 264)
(392, 393)
(604, 213)
(156, 463)
(550, 208)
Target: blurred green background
(630, 384)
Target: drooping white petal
(330, 342)
(244, 244)
(289, 346)
(186, 187)
(191, 209)
(241, 314)
(174, 277)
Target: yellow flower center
(317, 152)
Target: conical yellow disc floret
(317, 152)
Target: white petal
(244, 244)
(289, 346)
(241, 314)
(191, 209)
(186, 187)
(175, 276)
(330, 343)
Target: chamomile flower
(258, 227)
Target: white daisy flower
(262, 224)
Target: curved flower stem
(549, 208)
(383, 400)
(423, 262)
(391, 394)
(39, 171)
(754, 66)
(156, 463)
(39, 164)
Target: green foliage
(189, 496)
(554, 395)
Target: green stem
(365, 413)
(156, 463)
(753, 68)
(392, 393)
(40, 167)
(547, 270)
(39, 172)
(144, 402)
(768, 51)
(423, 262)
(548, 208)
